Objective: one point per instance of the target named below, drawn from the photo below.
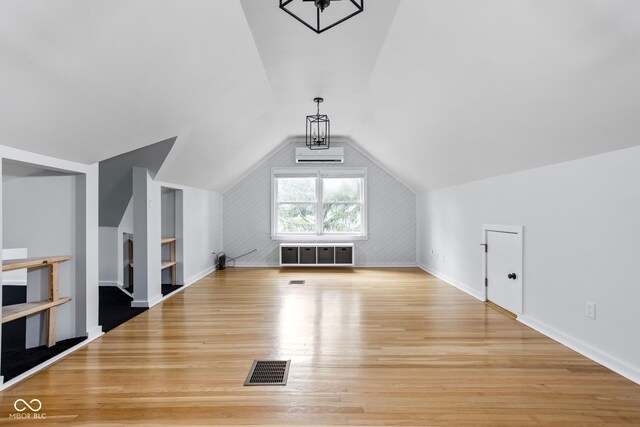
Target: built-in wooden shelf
(16, 311)
(32, 262)
(171, 241)
(164, 264)
(167, 264)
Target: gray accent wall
(116, 179)
(391, 214)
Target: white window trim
(318, 173)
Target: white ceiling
(439, 91)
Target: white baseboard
(126, 292)
(252, 265)
(155, 300)
(276, 265)
(139, 304)
(147, 303)
(626, 370)
(191, 280)
(110, 283)
(453, 282)
(93, 334)
(14, 282)
(393, 265)
(158, 299)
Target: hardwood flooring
(368, 347)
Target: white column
(179, 235)
(147, 289)
(90, 275)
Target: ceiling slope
(440, 92)
(466, 90)
(86, 80)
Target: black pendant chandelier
(318, 135)
(320, 15)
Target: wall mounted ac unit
(330, 155)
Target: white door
(504, 269)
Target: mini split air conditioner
(330, 155)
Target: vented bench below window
(316, 254)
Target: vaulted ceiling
(439, 91)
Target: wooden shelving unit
(171, 241)
(16, 311)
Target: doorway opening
(172, 273)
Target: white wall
(391, 214)
(15, 277)
(39, 213)
(581, 242)
(112, 249)
(108, 263)
(202, 229)
(168, 214)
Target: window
(342, 205)
(296, 205)
(317, 204)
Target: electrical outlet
(590, 310)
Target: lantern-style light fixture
(320, 15)
(318, 135)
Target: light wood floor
(368, 347)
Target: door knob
(512, 276)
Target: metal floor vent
(296, 282)
(268, 372)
